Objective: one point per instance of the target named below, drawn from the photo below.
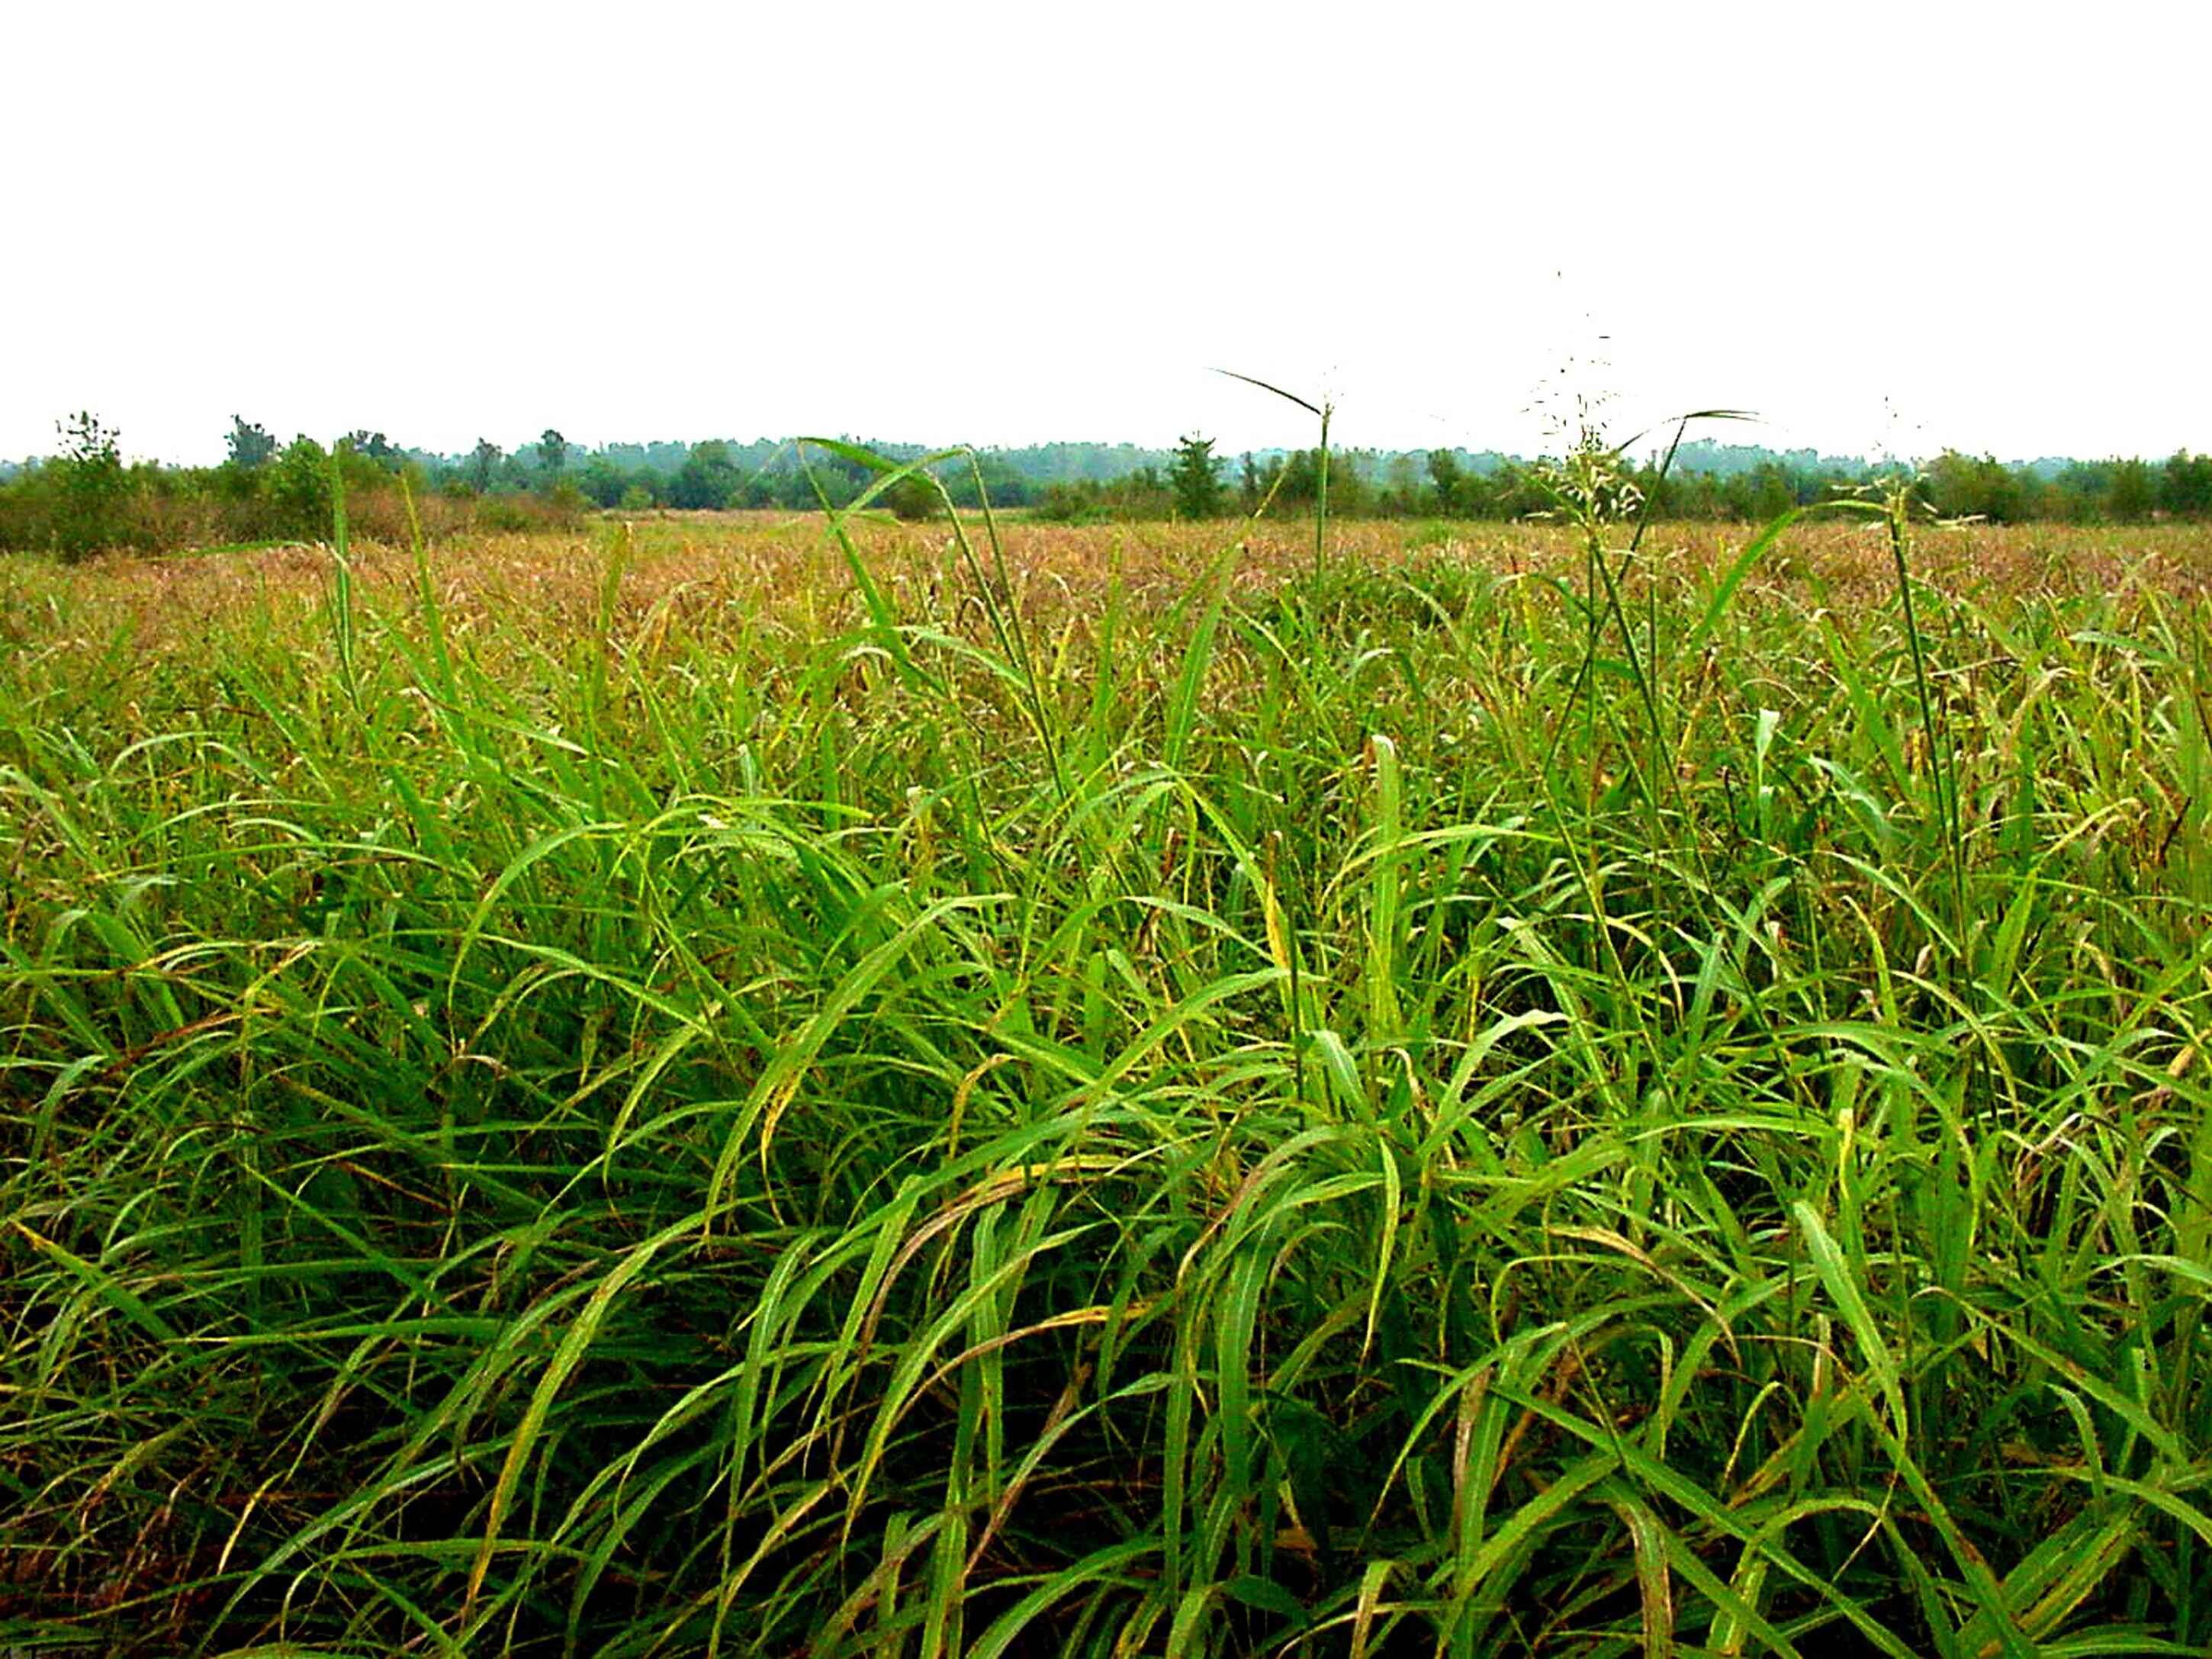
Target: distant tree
(1270, 478)
(1193, 479)
(2186, 487)
(1301, 473)
(483, 464)
(606, 480)
(708, 478)
(1401, 486)
(1768, 490)
(552, 452)
(2133, 493)
(2081, 491)
(92, 485)
(91, 447)
(1349, 491)
(2004, 493)
(840, 477)
(374, 447)
(1450, 479)
(1249, 491)
(297, 487)
(251, 445)
(1948, 484)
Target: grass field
(685, 1090)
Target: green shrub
(296, 489)
(89, 488)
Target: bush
(89, 488)
(296, 489)
(561, 508)
(912, 500)
(565, 505)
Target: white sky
(1881, 226)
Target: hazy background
(1885, 228)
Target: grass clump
(946, 1102)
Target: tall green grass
(1420, 1112)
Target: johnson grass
(703, 1091)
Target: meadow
(711, 1087)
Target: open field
(667, 1090)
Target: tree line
(85, 496)
(1710, 482)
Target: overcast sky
(1884, 228)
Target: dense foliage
(722, 1094)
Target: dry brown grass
(784, 570)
